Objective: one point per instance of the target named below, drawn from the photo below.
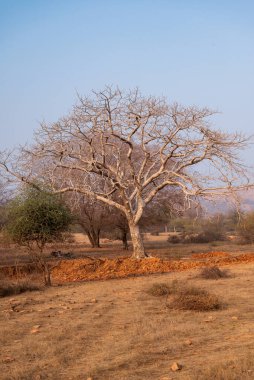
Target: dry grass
(214, 273)
(242, 369)
(11, 287)
(185, 297)
(14, 289)
(159, 289)
(113, 330)
(195, 299)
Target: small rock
(14, 306)
(188, 342)
(93, 300)
(89, 378)
(235, 318)
(35, 329)
(176, 367)
(209, 319)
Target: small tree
(34, 219)
(89, 214)
(117, 227)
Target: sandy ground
(114, 330)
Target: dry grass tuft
(160, 289)
(195, 299)
(213, 273)
(184, 297)
(231, 370)
(9, 289)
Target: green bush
(36, 218)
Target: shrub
(245, 231)
(195, 299)
(213, 273)
(155, 233)
(7, 289)
(203, 237)
(36, 218)
(162, 289)
(175, 239)
(206, 236)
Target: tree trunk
(137, 242)
(94, 238)
(47, 275)
(125, 241)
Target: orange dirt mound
(102, 269)
(209, 255)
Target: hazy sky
(193, 52)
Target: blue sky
(193, 52)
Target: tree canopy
(122, 148)
(37, 217)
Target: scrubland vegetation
(117, 329)
(123, 199)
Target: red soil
(209, 254)
(102, 269)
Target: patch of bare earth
(114, 329)
(98, 269)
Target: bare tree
(135, 146)
(4, 195)
(117, 227)
(90, 214)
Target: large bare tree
(133, 147)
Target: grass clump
(195, 299)
(184, 297)
(160, 289)
(213, 273)
(231, 370)
(9, 289)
